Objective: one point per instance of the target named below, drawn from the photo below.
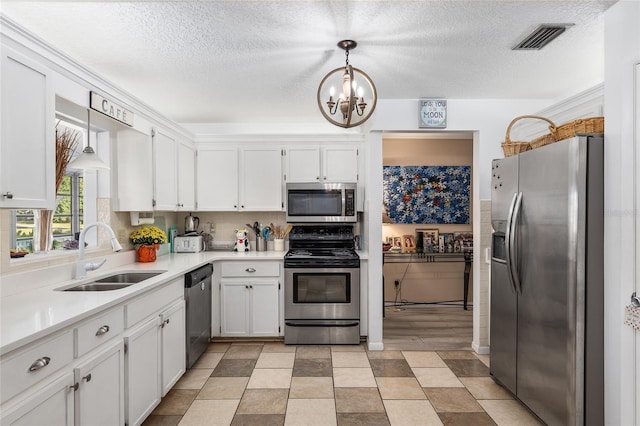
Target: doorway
(423, 290)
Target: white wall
(622, 52)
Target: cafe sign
(111, 109)
(433, 113)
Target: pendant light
(88, 159)
(357, 99)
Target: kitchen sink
(128, 277)
(114, 282)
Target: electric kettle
(191, 223)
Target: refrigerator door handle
(507, 240)
(513, 243)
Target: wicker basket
(510, 147)
(583, 125)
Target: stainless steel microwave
(321, 202)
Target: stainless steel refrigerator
(546, 321)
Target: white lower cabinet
(142, 364)
(155, 358)
(52, 404)
(250, 299)
(99, 399)
(173, 338)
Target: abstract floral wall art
(427, 194)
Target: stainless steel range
(322, 286)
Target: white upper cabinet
(27, 151)
(314, 163)
(174, 178)
(132, 174)
(261, 179)
(239, 179)
(217, 179)
(186, 176)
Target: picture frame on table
(408, 243)
(448, 242)
(429, 239)
(463, 241)
(397, 244)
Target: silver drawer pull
(250, 270)
(39, 363)
(102, 330)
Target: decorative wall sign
(432, 113)
(427, 194)
(111, 109)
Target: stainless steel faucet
(81, 266)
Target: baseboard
(480, 350)
(375, 346)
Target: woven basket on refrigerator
(582, 125)
(510, 147)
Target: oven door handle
(322, 324)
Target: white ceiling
(260, 61)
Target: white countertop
(34, 313)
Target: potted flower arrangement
(147, 240)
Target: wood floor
(428, 327)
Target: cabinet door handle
(102, 330)
(39, 363)
(250, 286)
(74, 387)
(165, 322)
(250, 270)
(8, 195)
(87, 378)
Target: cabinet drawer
(34, 363)
(152, 302)
(250, 269)
(98, 330)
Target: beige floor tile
(484, 388)
(311, 387)
(405, 413)
(309, 352)
(278, 347)
(452, 400)
(276, 360)
(353, 378)
(224, 388)
(484, 359)
(264, 401)
(423, 359)
(242, 351)
(400, 388)
(310, 412)
(508, 413)
(208, 360)
(349, 359)
(436, 378)
(457, 354)
(194, 378)
(385, 355)
(218, 347)
(348, 348)
(210, 412)
(358, 400)
(270, 378)
(176, 402)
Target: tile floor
(253, 383)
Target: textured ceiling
(258, 61)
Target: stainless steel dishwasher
(197, 294)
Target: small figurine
(242, 242)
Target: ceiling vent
(542, 36)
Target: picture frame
(463, 242)
(448, 242)
(408, 243)
(397, 243)
(429, 239)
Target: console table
(466, 257)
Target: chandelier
(357, 100)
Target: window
(68, 218)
